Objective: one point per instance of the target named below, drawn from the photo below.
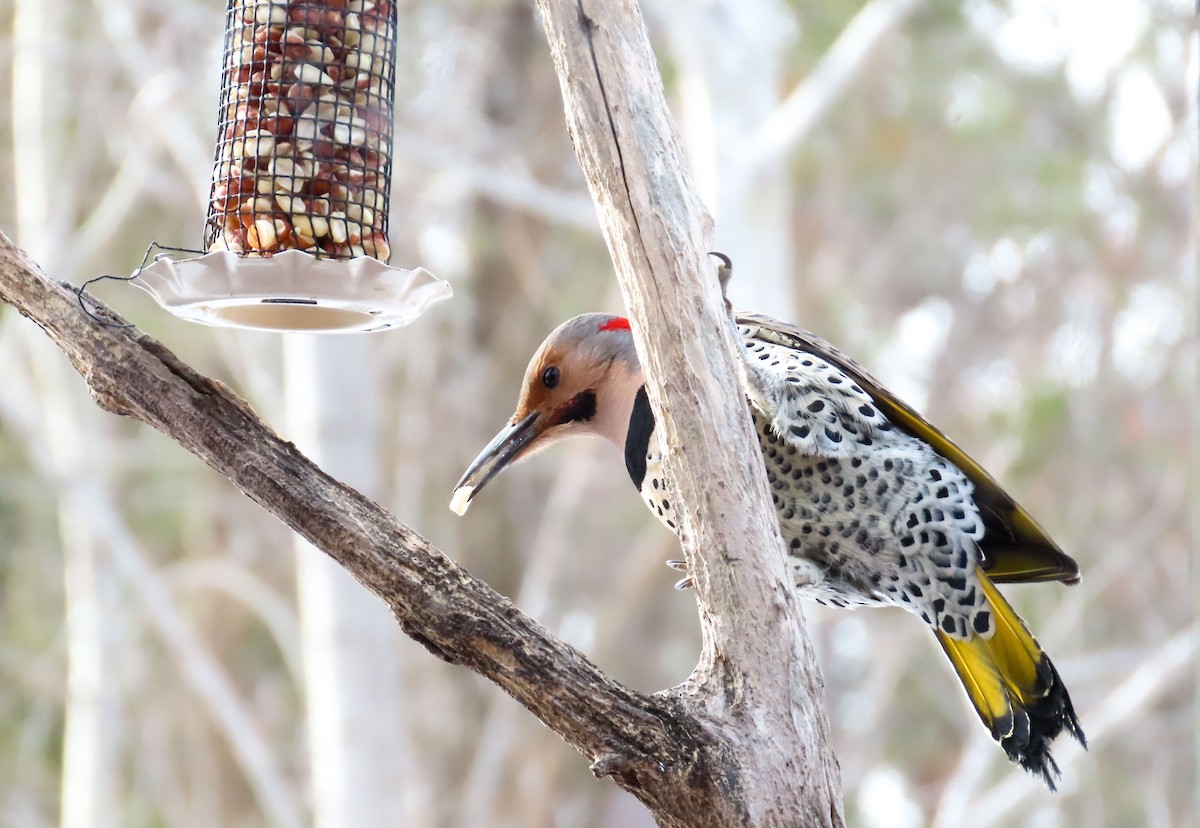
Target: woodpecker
(877, 507)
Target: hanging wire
(85, 300)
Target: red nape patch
(617, 323)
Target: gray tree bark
(743, 742)
(758, 678)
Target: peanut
(304, 155)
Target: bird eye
(550, 376)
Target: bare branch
(668, 752)
(816, 94)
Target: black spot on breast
(834, 436)
(866, 410)
(816, 406)
(957, 582)
(799, 431)
(981, 621)
(948, 624)
(939, 606)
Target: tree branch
(746, 740)
(758, 676)
(454, 615)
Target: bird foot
(681, 566)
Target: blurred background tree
(990, 203)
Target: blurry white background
(989, 203)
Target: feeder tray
(296, 236)
(291, 291)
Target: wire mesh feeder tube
(304, 150)
(302, 166)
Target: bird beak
(498, 454)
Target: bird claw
(724, 274)
(681, 566)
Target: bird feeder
(296, 236)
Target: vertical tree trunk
(91, 737)
(89, 791)
(360, 763)
(758, 678)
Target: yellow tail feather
(1014, 687)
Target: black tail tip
(1037, 726)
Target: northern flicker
(876, 506)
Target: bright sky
(1093, 43)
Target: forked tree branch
(457, 617)
(745, 741)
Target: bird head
(582, 381)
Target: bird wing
(1015, 548)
